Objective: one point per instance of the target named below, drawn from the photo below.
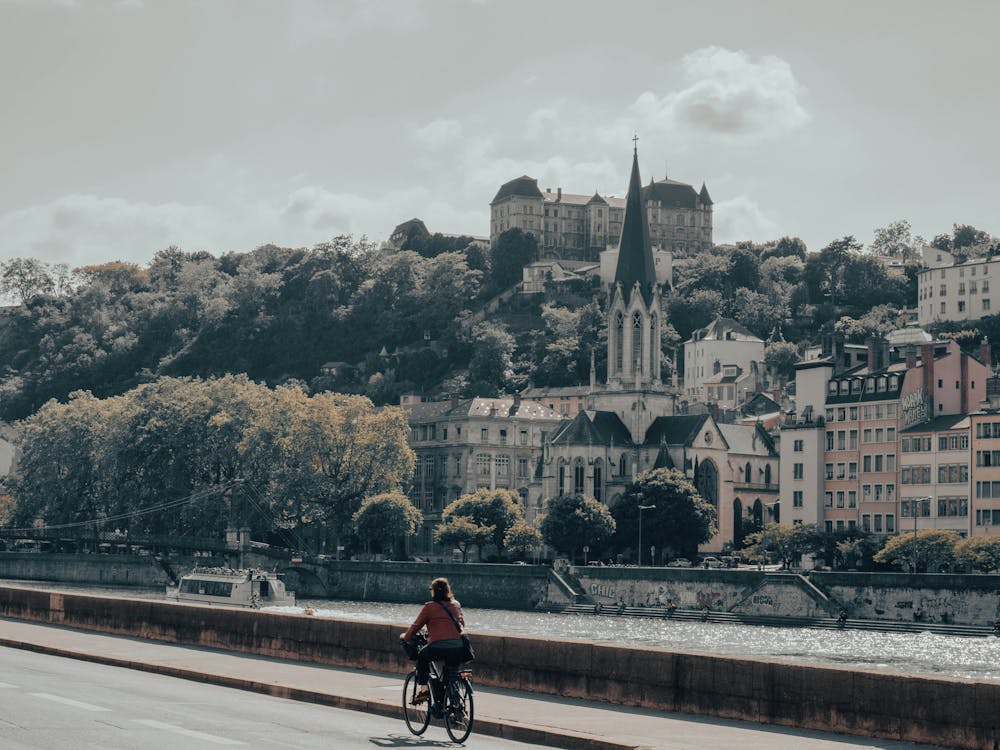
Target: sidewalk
(525, 717)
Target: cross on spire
(635, 143)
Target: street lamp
(641, 509)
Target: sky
(129, 126)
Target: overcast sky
(131, 126)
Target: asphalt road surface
(52, 702)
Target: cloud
(740, 218)
(727, 95)
(81, 229)
(438, 134)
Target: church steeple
(635, 253)
(635, 327)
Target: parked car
(712, 562)
(680, 562)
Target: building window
(484, 435)
(798, 446)
(503, 466)
(578, 477)
(797, 471)
(797, 499)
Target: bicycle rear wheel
(417, 715)
(458, 714)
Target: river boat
(252, 588)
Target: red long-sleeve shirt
(439, 624)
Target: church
(629, 425)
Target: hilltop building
(573, 226)
(953, 290)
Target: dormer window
(881, 385)
(870, 385)
(843, 386)
(832, 388)
(855, 386)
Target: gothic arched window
(578, 477)
(619, 341)
(767, 474)
(636, 343)
(622, 465)
(597, 476)
(747, 474)
(706, 481)
(653, 343)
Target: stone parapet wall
(947, 712)
(104, 570)
(945, 598)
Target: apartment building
(950, 290)
(934, 475)
(984, 513)
(894, 437)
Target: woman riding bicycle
(444, 639)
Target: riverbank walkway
(534, 719)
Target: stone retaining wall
(947, 712)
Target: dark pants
(449, 651)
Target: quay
(614, 686)
(512, 714)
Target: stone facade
(580, 227)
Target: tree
(979, 553)
(25, 278)
(878, 321)
(781, 357)
(497, 509)
(522, 539)
(787, 543)
(491, 365)
(574, 521)
(681, 520)
(896, 241)
(513, 250)
(461, 532)
(756, 311)
(382, 519)
(932, 549)
(786, 247)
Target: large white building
(721, 342)
(951, 291)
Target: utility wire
(168, 505)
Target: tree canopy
(574, 521)
(679, 521)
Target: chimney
(883, 347)
(986, 353)
(838, 352)
(873, 355)
(558, 194)
(911, 357)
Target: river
(921, 653)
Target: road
(51, 702)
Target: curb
(527, 733)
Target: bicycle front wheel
(458, 715)
(417, 715)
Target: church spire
(635, 254)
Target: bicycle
(450, 697)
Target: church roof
(704, 196)
(679, 430)
(748, 439)
(523, 186)
(635, 253)
(592, 428)
(596, 198)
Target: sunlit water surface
(921, 653)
